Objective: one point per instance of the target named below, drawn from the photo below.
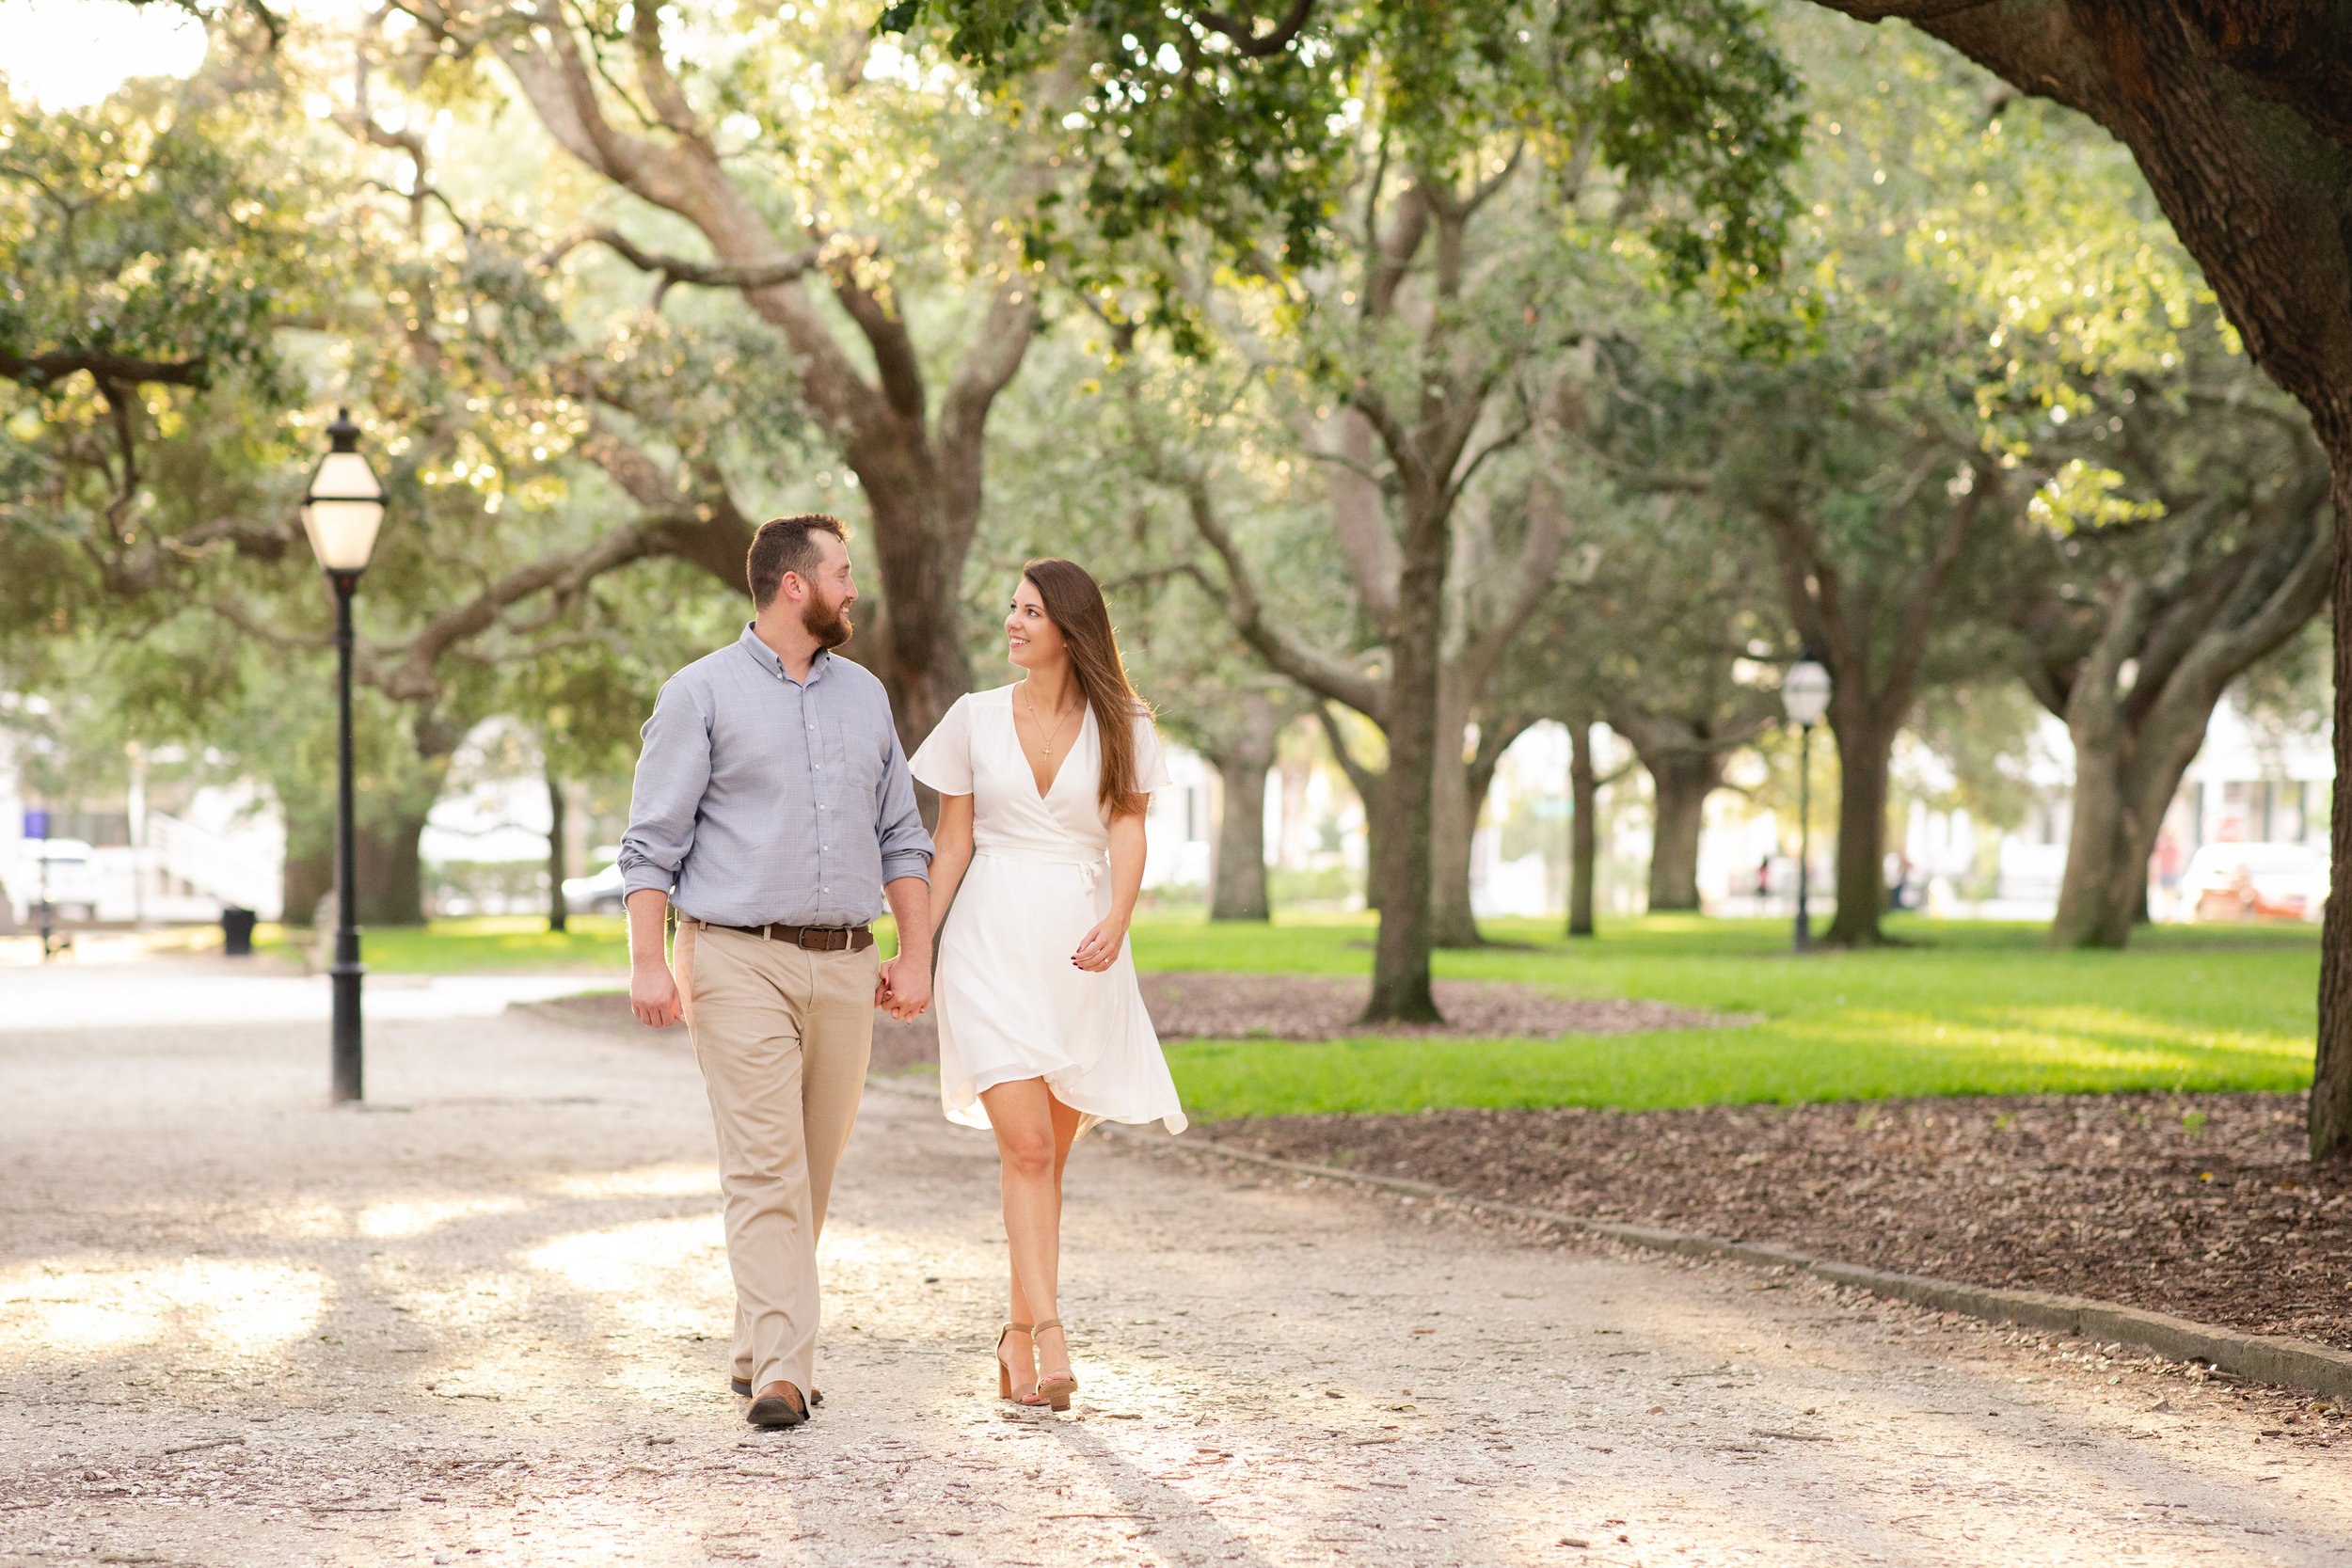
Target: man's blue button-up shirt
(761, 798)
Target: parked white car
(2254, 881)
(601, 893)
(73, 878)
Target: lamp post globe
(1804, 692)
(342, 510)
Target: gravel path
(479, 1324)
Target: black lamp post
(1804, 692)
(340, 512)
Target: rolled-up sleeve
(672, 772)
(906, 848)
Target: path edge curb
(2264, 1357)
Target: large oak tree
(2239, 113)
(1355, 161)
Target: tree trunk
(1452, 823)
(1238, 890)
(1243, 757)
(2329, 1114)
(2124, 782)
(1681, 781)
(2093, 909)
(1864, 745)
(558, 914)
(390, 870)
(1400, 965)
(920, 562)
(1584, 831)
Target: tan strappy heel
(1004, 1368)
(1054, 1391)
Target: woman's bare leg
(1034, 1131)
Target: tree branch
(38, 370)
(1365, 781)
(412, 679)
(677, 269)
(1317, 671)
(1243, 34)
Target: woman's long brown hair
(1074, 602)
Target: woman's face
(1032, 639)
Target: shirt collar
(751, 644)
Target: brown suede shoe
(741, 1388)
(779, 1404)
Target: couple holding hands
(774, 808)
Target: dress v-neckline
(1047, 793)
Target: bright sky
(64, 54)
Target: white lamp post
(340, 512)
(1805, 694)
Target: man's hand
(652, 991)
(653, 995)
(903, 985)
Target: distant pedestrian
(775, 809)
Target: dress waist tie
(1090, 871)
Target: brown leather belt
(816, 939)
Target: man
(773, 806)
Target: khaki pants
(783, 1036)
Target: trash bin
(236, 932)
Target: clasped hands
(902, 986)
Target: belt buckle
(827, 933)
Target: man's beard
(827, 623)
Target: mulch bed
(2200, 1205)
(1250, 1006)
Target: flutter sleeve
(1150, 759)
(944, 761)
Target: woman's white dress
(1009, 1003)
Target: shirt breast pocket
(855, 759)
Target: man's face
(828, 593)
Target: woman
(1042, 1033)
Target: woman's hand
(1100, 949)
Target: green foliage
(1196, 129)
(164, 226)
(1980, 732)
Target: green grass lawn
(517, 943)
(1968, 1008)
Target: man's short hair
(788, 544)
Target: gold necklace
(1029, 703)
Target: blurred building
(164, 850)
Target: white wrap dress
(1009, 1003)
